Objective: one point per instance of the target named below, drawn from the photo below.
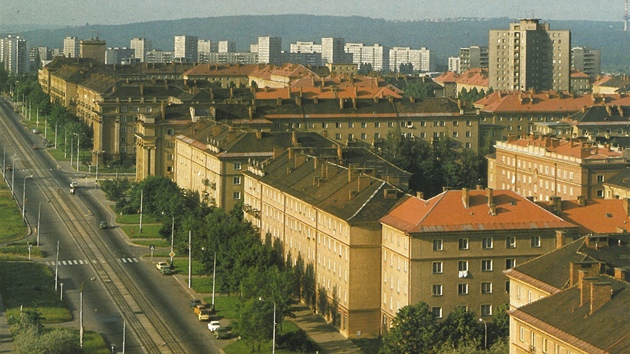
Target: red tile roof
(568, 147)
(475, 76)
(599, 216)
(446, 213)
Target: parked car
(195, 302)
(197, 309)
(35, 130)
(164, 268)
(103, 225)
(204, 315)
(214, 325)
(222, 333)
(74, 184)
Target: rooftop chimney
(466, 197)
(420, 195)
(490, 196)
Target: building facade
(529, 56)
(118, 55)
(420, 59)
(333, 50)
(71, 47)
(15, 55)
(93, 48)
(375, 55)
(141, 46)
(270, 50)
(587, 60)
(544, 167)
(473, 57)
(185, 48)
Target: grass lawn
(181, 266)
(224, 305)
(12, 226)
(368, 346)
(204, 285)
(21, 250)
(35, 291)
(157, 242)
(95, 343)
(245, 346)
(135, 219)
(148, 230)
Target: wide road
(127, 292)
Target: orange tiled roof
(569, 147)
(577, 74)
(475, 76)
(447, 77)
(331, 88)
(291, 71)
(446, 213)
(500, 102)
(597, 216)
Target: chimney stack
(601, 293)
(466, 197)
(420, 195)
(490, 196)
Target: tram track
(141, 317)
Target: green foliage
(420, 89)
(461, 328)
(115, 190)
(471, 96)
(297, 341)
(434, 167)
(415, 330)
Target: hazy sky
(78, 12)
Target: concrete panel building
(270, 50)
(71, 47)
(15, 55)
(529, 55)
(185, 48)
(473, 57)
(141, 46)
(587, 60)
(93, 48)
(333, 50)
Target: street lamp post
(214, 276)
(97, 163)
(24, 198)
(485, 337)
(81, 311)
(39, 214)
(273, 339)
(172, 237)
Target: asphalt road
(127, 287)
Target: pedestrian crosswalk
(73, 262)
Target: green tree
(414, 330)
(253, 323)
(461, 328)
(420, 89)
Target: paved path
(6, 342)
(325, 335)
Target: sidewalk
(325, 335)
(6, 342)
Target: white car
(214, 325)
(74, 184)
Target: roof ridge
(367, 200)
(441, 195)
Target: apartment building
(141, 46)
(14, 53)
(226, 47)
(611, 85)
(544, 167)
(587, 60)
(577, 307)
(119, 55)
(420, 59)
(269, 50)
(71, 47)
(602, 121)
(580, 82)
(529, 55)
(322, 205)
(210, 161)
(185, 48)
(333, 51)
(93, 48)
(375, 55)
(156, 56)
(204, 47)
(454, 65)
(450, 250)
(473, 57)
(618, 186)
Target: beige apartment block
(323, 206)
(450, 250)
(544, 167)
(529, 55)
(210, 161)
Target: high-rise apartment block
(185, 48)
(158, 56)
(454, 64)
(141, 46)
(473, 57)
(226, 47)
(529, 55)
(71, 47)
(269, 50)
(204, 47)
(119, 55)
(333, 50)
(587, 60)
(375, 55)
(420, 59)
(14, 54)
(93, 48)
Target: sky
(80, 12)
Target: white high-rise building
(71, 47)
(141, 46)
(333, 50)
(226, 47)
(305, 47)
(270, 50)
(420, 59)
(473, 57)
(185, 48)
(204, 47)
(375, 55)
(454, 64)
(15, 55)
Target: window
(237, 165)
(510, 263)
(486, 288)
(437, 245)
(236, 195)
(507, 286)
(486, 265)
(462, 265)
(535, 241)
(510, 242)
(462, 288)
(486, 310)
(338, 136)
(351, 125)
(363, 124)
(521, 334)
(600, 193)
(337, 125)
(437, 290)
(237, 180)
(170, 132)
(486, 243)
(377, 124)
(437, 267)
(463, 243)
(437, 312)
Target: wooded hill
(444, 37)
